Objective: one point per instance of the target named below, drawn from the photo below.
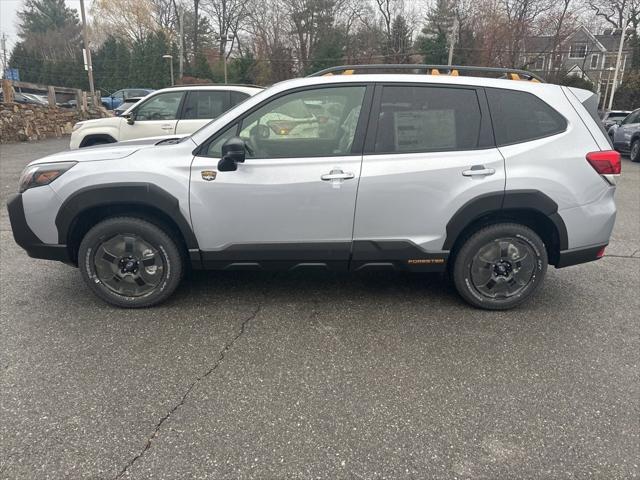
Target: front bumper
(28, 240)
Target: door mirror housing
(130, 117)
(233, 152)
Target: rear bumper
(28, 240)
(576, 256)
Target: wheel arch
(531, 208)
(91, 205)
(96, 136)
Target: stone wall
(27, 122)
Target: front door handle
(478, 170)
(337, 175)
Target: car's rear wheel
(500, 266)
(129, 262)
(634, 153)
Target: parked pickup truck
(116, 98)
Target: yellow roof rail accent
(454, 73)
(435, 71)
(514, 76)
(348, 72)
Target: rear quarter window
(521, 116)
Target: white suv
(171, 111)
(490, 179)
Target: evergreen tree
(433, 43)
(399, 45)
(328, 51)
(242, 69)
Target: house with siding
(582, 53)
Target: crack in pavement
(193, 384)
(623, 256)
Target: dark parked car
(116, 98)
(626, 138)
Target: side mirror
(131, 118)
(233, 153)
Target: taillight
(606, 162)
(600, 253)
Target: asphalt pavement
(320, 375)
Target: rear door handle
(337, 175)
(167, 126)
(478, 170)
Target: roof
(249, 89)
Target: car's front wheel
(634, 153)
(500, 266)
(130, 262)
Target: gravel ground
(319, 375)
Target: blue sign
(12, 74)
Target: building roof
(544, 43)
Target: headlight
(42, 174)
(77, 126)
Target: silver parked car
(491, 179)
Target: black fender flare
(97, 136)
(502, 202)
(112, 194)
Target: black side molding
(503, 202)
(28, 240)
(396, 255)
(144, 194)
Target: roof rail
(418, 68)
(212, 84)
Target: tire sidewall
(171, 258)
(464, 259)
(635, 158)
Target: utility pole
(87, 53)
(618, 59)
(452, 39)
(181, 44)
(4, 54)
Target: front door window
(309, 123)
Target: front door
(292, 202)
(153, 117)
(430, 152)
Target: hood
(102, 122)
(110, 151)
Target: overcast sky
(8, 17)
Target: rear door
(200, 107)
(154, 116)
(429, 150)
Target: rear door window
(427, 119)
(238, 97)
(203, 105)
(521, 117)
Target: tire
(634, 152)
(500, 266)
(130, 263)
